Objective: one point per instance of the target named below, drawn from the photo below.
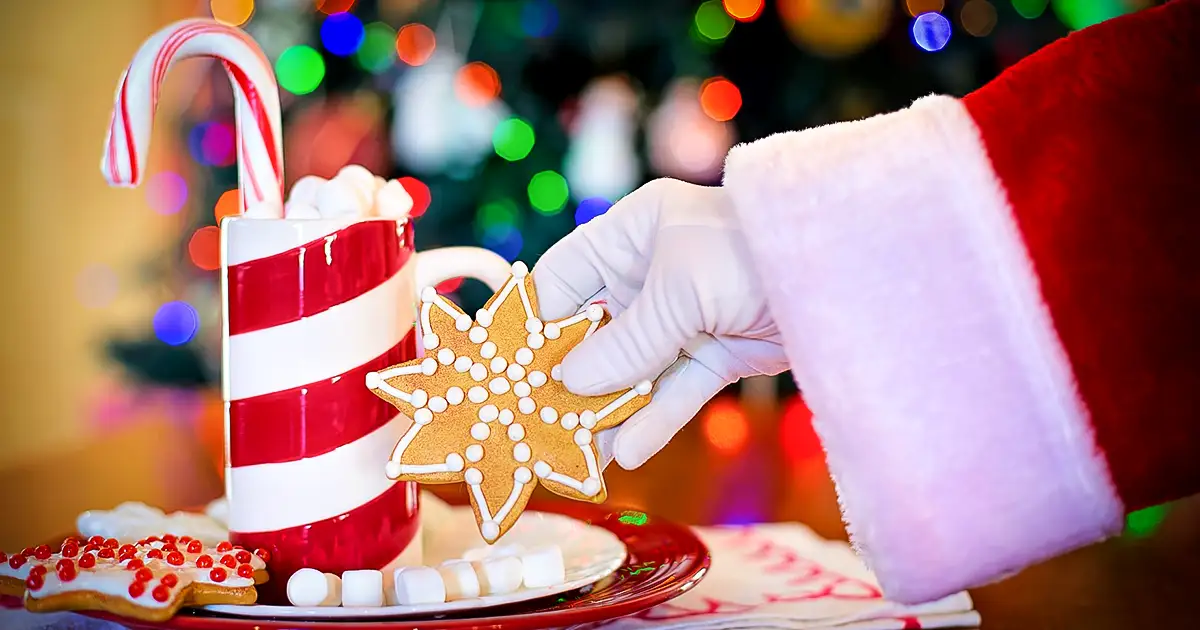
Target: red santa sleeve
(992, 304)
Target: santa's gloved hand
(672, 264)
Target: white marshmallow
(358, 175)
(543, 567)
(379, 182)
(498, 575)
(300, 210)
(341, 198)
(362, 588)
(392, 201)
(418, 585)
(493, 551)
(310, 587)
(264, 210)
(460, 580)
(305, 189)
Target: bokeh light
(378, 49)
(476, 84)
(166, 192)
(1145, 521)
(420, 195)
(725, 425)
(342, 34)
(176, 323)
(931, 31)
(1079, 14)
(796, 434)
(513, 139)
(917, 7)
(415, 43)
(449, 286)
(1030, 9)
(743, 10)
(96, 286)
(501, 214)
(300, 69)
(591, 208)
(539, 18)
(228, 205)
(978, 17)
(712, 22)
(212, 143)
(330, 7)
(505, 241)
(548, 192)
(231, 12)
(204, 248)
(720, 99)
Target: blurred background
(509, 123)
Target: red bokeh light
(415, 43)
(477, 84)
(419, 193)
(725, 426)
(720, 99)
(204, 248)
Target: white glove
(671, 260)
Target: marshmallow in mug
(353, 192)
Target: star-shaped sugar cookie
(489, 407)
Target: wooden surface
(1130, 582)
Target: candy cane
(256, 97)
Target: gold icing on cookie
(489, 407)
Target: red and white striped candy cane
(256, 97)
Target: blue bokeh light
(505, 240)
(931, 31)
(342, 34)
(591, 208)
(176, 323)
(539, 18)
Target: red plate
(665, 560)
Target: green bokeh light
(300, 69)
(1143, 522)
(1030, 9)
(513, 139)
(378, 50)
(712, 22)
(548, 192)
(1078, 14)
(493, 216)
(633, 518)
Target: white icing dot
(374, 380)
(498, 365)
(490, 530)
(506, 416)
(522, 389)
(549, 415)
(418, 398)
(428, 294)
(556, 372)
(552, 331)
(462, 364)
(430, 341)
(428, 366)
(526, 405)
(478, 372)
(516, 432)
(477, 335)
(535, 341)
(473, 476)
(522, 452)
(533, 325)
(480, 431)
(462, 322)
(437, 404)
(523, 475)
(487, 350)
(583, 437)
(524, 356)
(515, 372)
(643, 388)
(570, 420)
(488, 413)
(474, 453)
(541, 469)
(537, 378)
(422, 416)
(595, 313)
(454, 462)
(477, 394)
(392, 469)
(454, 395)
(519, 270)
(591, 486)
(445, 356)
(587, 419)
(483, 317)
(498, 386)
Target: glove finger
(680, 395)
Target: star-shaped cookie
(489, 407)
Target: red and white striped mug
(310, 307)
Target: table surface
(742, 464)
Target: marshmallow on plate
(418, 585)
(543, 567)
(498, 575)
(460, 579)
(362, 588)
(310, 587)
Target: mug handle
(438, 265)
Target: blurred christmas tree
(512, 121)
